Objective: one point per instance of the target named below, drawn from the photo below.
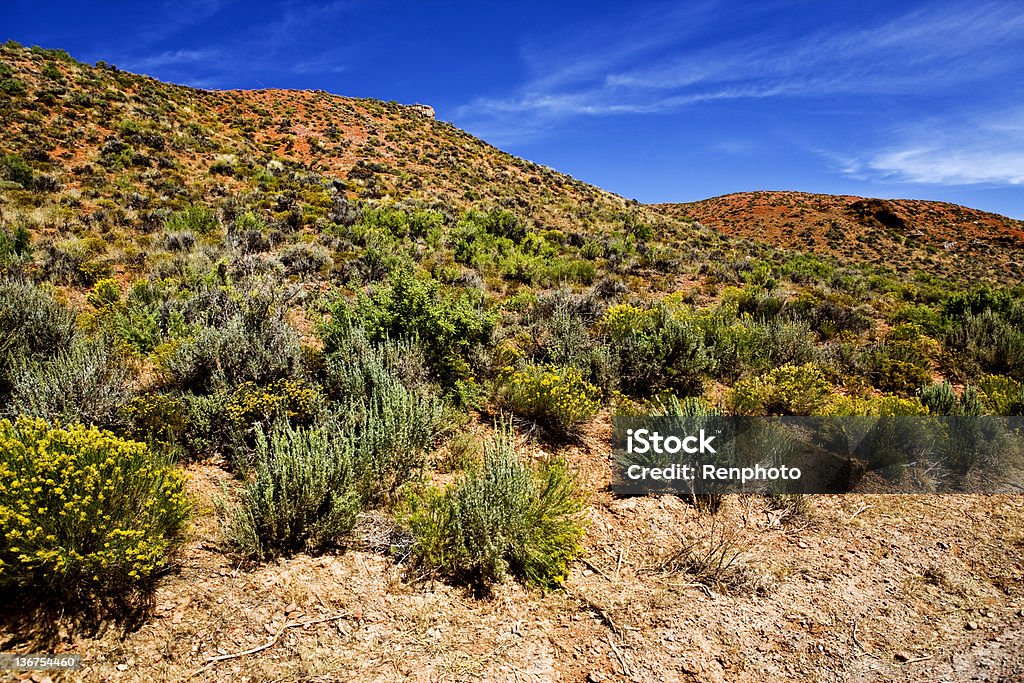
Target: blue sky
(672, 101)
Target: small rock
(121, 667)
(802, 544)
(902, 656)
(595, 677)
(972, 626)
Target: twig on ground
(855, 640)
(595, 568)
(618, 655)
(861, 509)
(212, 661)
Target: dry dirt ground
(845, 588)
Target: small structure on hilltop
(424, 109)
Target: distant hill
(905, 233)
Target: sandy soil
(843, 588)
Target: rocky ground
(840, 588)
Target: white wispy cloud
(291, 41)
(672, 58)
(985, 150)
(171, 58)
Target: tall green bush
(506, 517)
(300, 494)
(449, 327)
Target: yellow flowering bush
(785, 390)
(558, 397)
(623, 320)
(156, 417)
(81, 509)
(293, 399)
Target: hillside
(295, 386)
(909, 234)
(102, 133)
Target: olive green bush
(448, 326)
(88, 383)
(300, 494)
(33, 325)
(504, 517)
(655, 349)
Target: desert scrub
(83, 510)
(786, 390)
(504, 517)
(556, 397)
(655, 349)
(1002, 395)
(34, 325)
(449, 327)
(300, 494)
(156, 418)
(248, 348)
(88, 383)
(886, 405)
(192, 218)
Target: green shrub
(15, 245)
(901, 363)
(356, 366)
(15, 169)
(886, 405)
(786, 390)
(257, 348)
(193, 218)
(82, 510)
(987, 342)
(744, 345)
(941, 399)
(32, 325)
(305, 485)
(831, 314)
(655, 349)
(504, 517)
(304, 259)
(448, 327)
(568, 342)
(300, 495)
(88, 383)
(12, 87)
(395, 428)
